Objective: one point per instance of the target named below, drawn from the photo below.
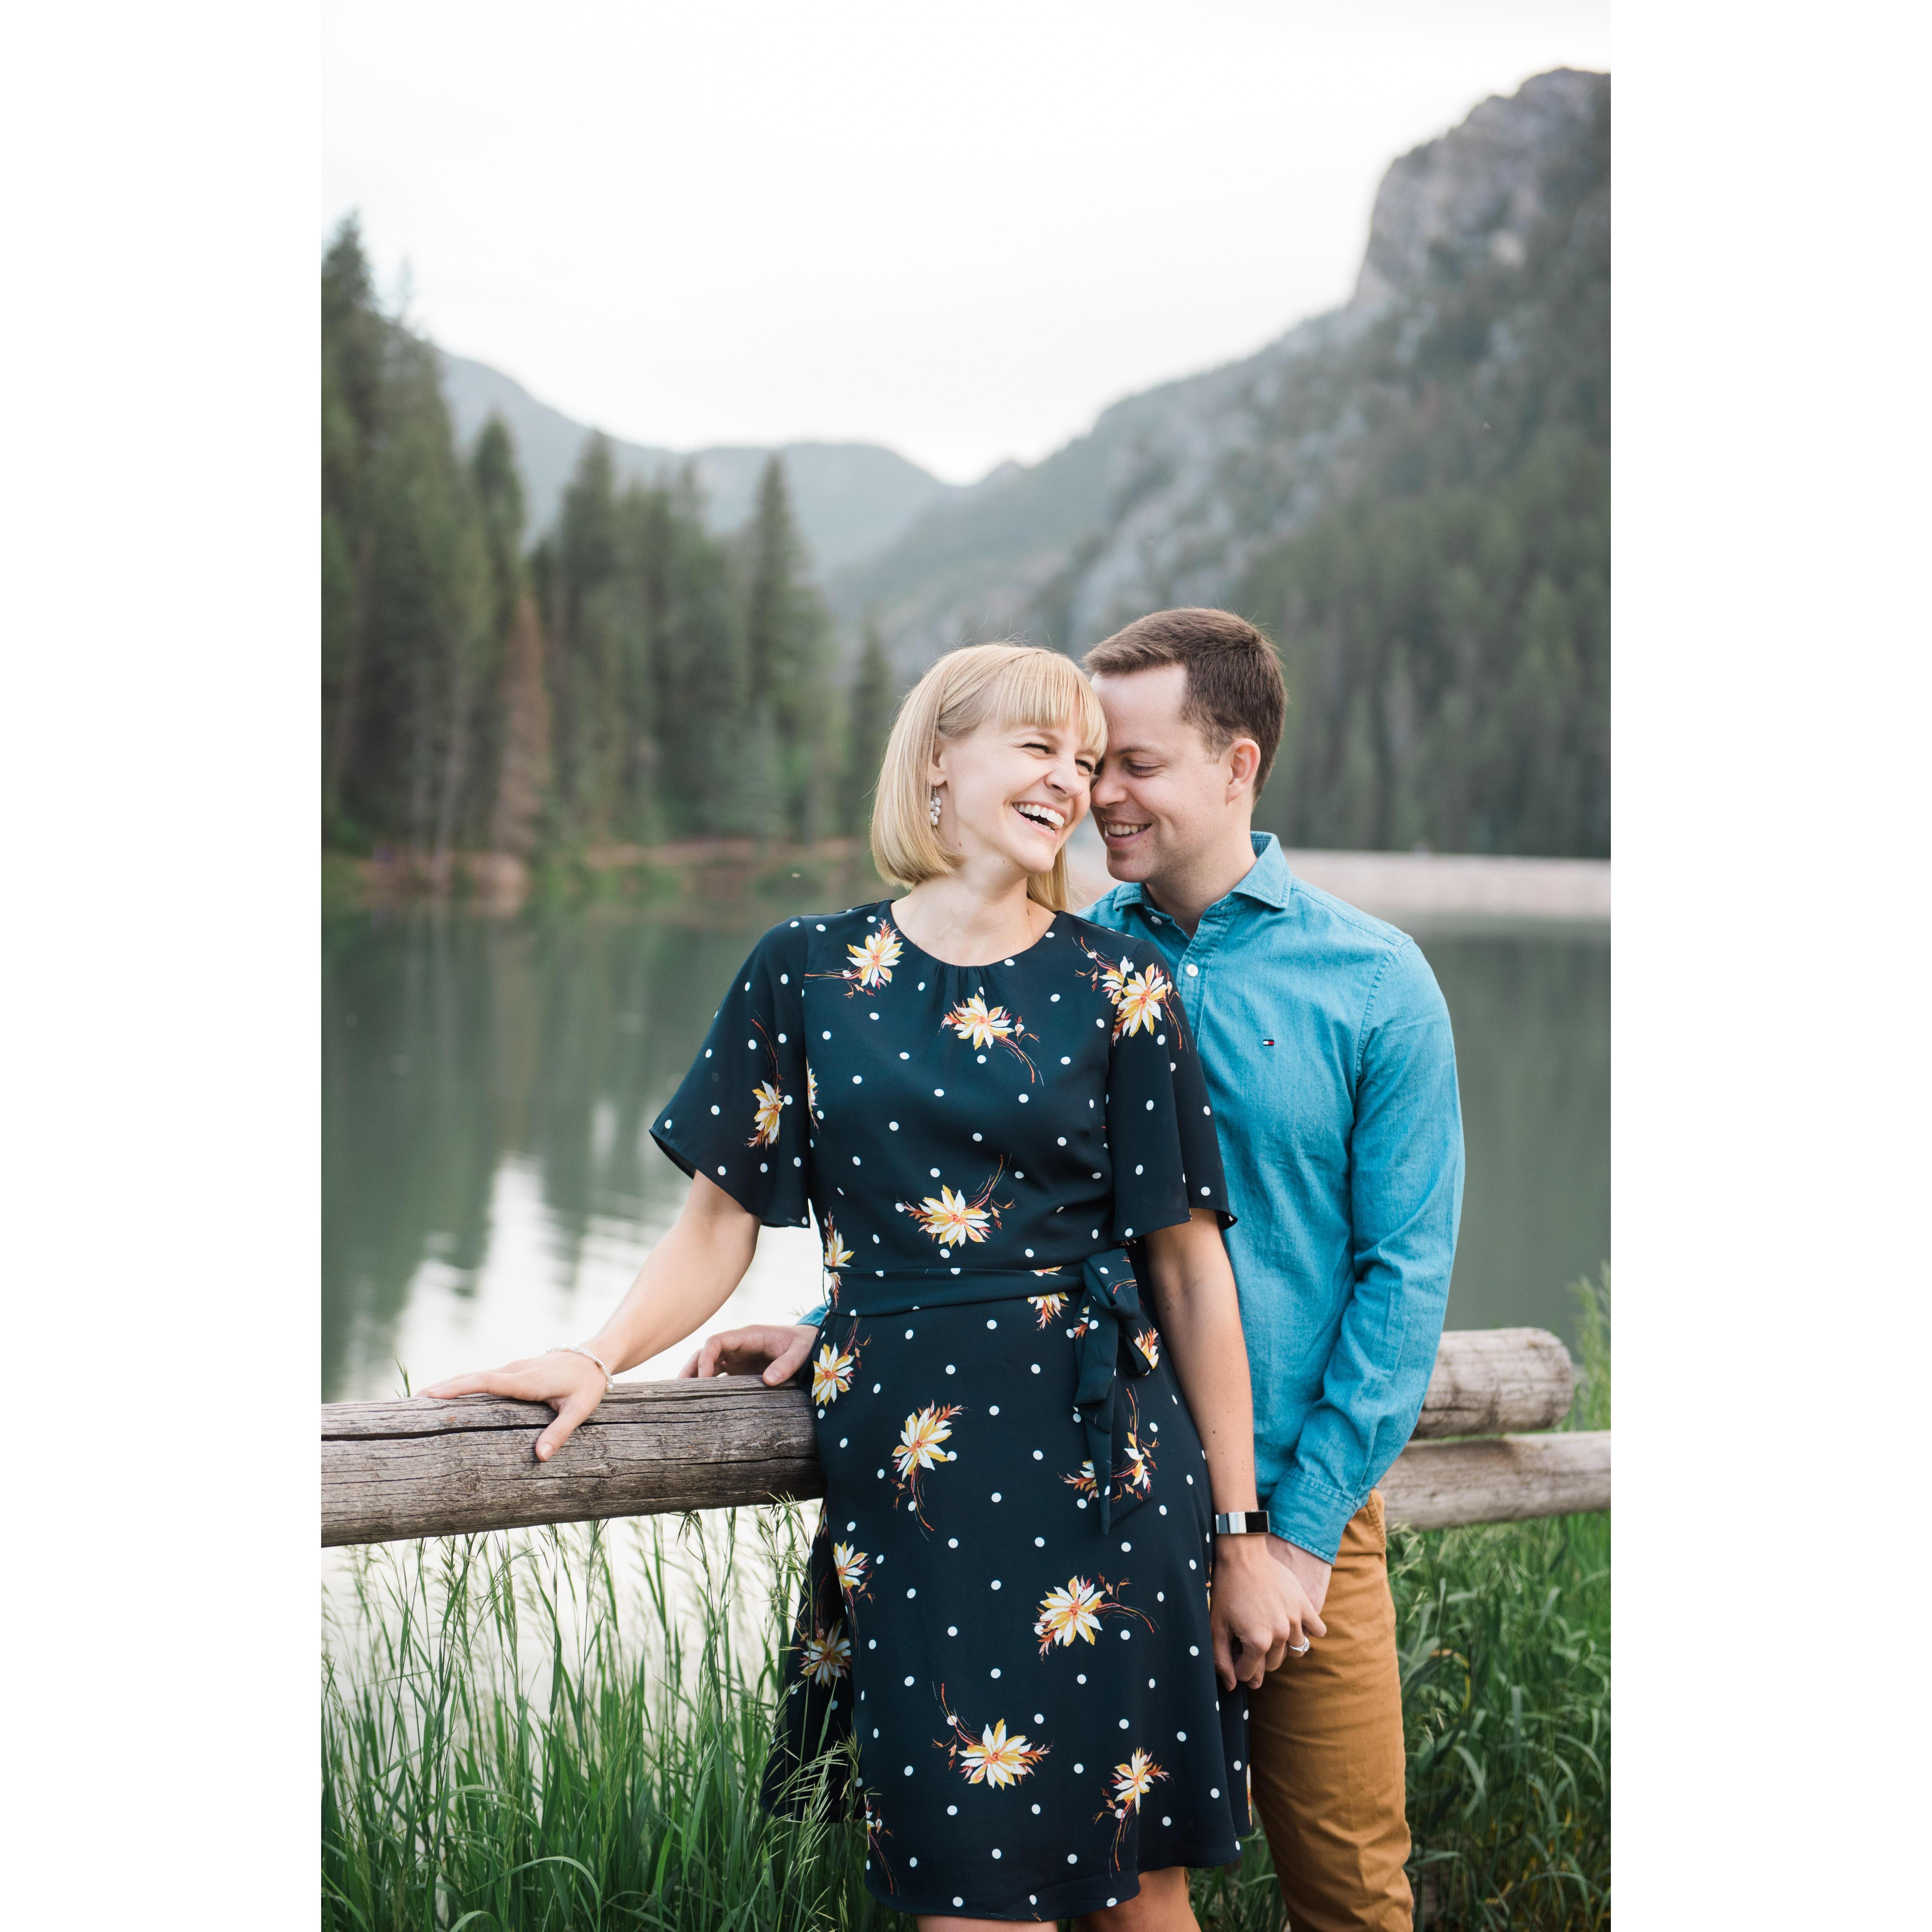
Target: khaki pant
(1324, 1735)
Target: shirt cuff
(814, 1318)
(1308, 1513)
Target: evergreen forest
(627, 676)
(1445, 624)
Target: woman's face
(1013, 795)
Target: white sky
(960, 231)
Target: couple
(1138, 1228)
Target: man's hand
(747, 1351)
(1308, 1570)
(1260, 1612)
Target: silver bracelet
(571, 1348)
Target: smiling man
(1326, 1047)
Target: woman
(983, 1101)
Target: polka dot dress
(1007, 1607)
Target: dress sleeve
(1160, 1127)
(738, 1117)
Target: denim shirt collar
(1266, 882)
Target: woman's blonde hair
(1010, 686)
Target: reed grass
(565, 1730)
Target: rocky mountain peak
(1474, 192)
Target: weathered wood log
(1495, 1381)
(1499, 1479)
(392, 1469)
(407, 1468)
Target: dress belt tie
(1108, 1320)
(1108, 1292)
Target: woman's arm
(684, 1280)
(1259, 1608)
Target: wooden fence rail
(409, 1469)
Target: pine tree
(523, 760)
(583, 623)
(702, 679)
(353, 347)
(788, 650)
(868, 724)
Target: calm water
(489, 1187)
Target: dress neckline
(1013, 958)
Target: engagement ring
(1299, 1649)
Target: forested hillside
(1411, 495)
(630, 676)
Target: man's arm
(1405, 1180)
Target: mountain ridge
(851, 499)
(1176, 491)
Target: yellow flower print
(1131, 1782)
(876, 1833)
(951, 1220)
(1143, 1000)
(995, 1757)
(826, 1655)
(872, 960)
(836, 1256)
(1147, 1340)
(767, 1100)
(918, 1451)
(1068, 1612)
(1139, 1000)
(980, 1025)
(1135, 1779)
(919, 1439)
(1134, 1474)
(849, 1566)
(1071, 1611)
(832, 1374)
(1047, 1307)
(811, 1094)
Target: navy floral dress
(1006, 1606)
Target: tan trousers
(1324, 1734)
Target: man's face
(1161, 799)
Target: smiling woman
(1038, 719)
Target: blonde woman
(1030, 1386)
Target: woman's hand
(573, 1385)
(1260, 1612)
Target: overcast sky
(959, 231)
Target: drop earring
(932, 810)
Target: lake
(489, 1187)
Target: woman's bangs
(1045, 692)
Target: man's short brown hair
(1235, 689)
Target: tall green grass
(567, 1729)
(1504, 1631)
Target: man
(1327, 1047)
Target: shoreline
(1396, 886)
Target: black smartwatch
(1242, 1522)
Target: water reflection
(489, 1186)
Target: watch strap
(1242, 1522)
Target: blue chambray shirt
(1330, 1062)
